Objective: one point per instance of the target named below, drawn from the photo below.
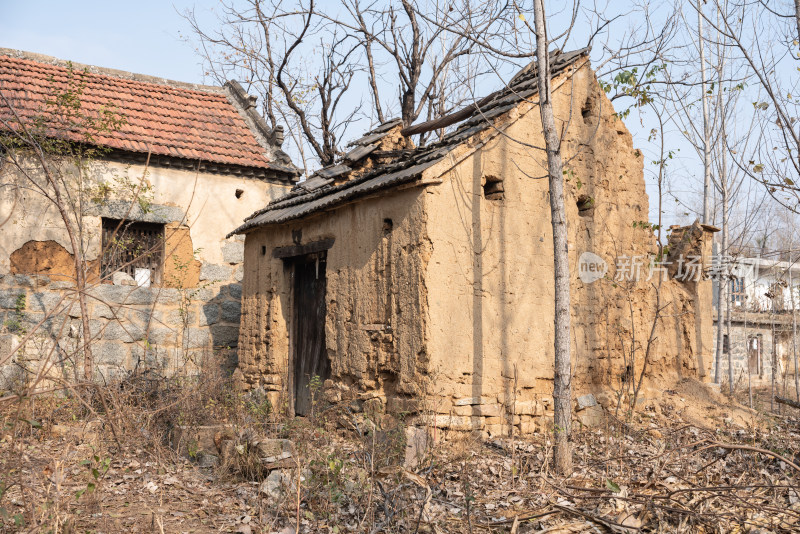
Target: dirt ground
(686, 461)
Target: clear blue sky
(142, 36)
(139, 36)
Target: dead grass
(684, 463)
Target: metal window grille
(737, 291)
(130, 246)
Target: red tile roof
(165, 119)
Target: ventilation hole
(627, 376)
(388, 225)
(587, 111)
(239, 193)
(493, 188)
(585, 206)
(263, 250)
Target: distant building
(761, 319)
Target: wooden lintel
(301, 250)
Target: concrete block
(233, 252)
(586, 401)
(235, 291)
(231, 311)
(225, 336)
(214, 272)
(209, 314)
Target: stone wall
(168, 330)
(195, 309)
(758, 325)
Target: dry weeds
(686, 462)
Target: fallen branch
(752, 449)
(788, 402)
(613, 526)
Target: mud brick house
(165, 281)
(419, 279)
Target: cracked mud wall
(470, 283)
(375, 298)
(490, 276)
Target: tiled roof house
(204, 156)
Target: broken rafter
(447, 120)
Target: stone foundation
(168, 330)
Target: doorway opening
(311, 363)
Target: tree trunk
(720, 300)
(562, 394)
(80, 272)
(794, 333)
(774, 359)
(797, 17)
(706, 124)
(747, 347)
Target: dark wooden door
(310, 355)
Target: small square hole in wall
(239, 193)
(585, 206)
(493, 188)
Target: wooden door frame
(291, 255)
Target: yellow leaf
(522, 17)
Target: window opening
(134, 248)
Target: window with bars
(134, 248)
(737, 291)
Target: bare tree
(562, 378)
(303, 59)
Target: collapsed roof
(181, 122)
(324, 189)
